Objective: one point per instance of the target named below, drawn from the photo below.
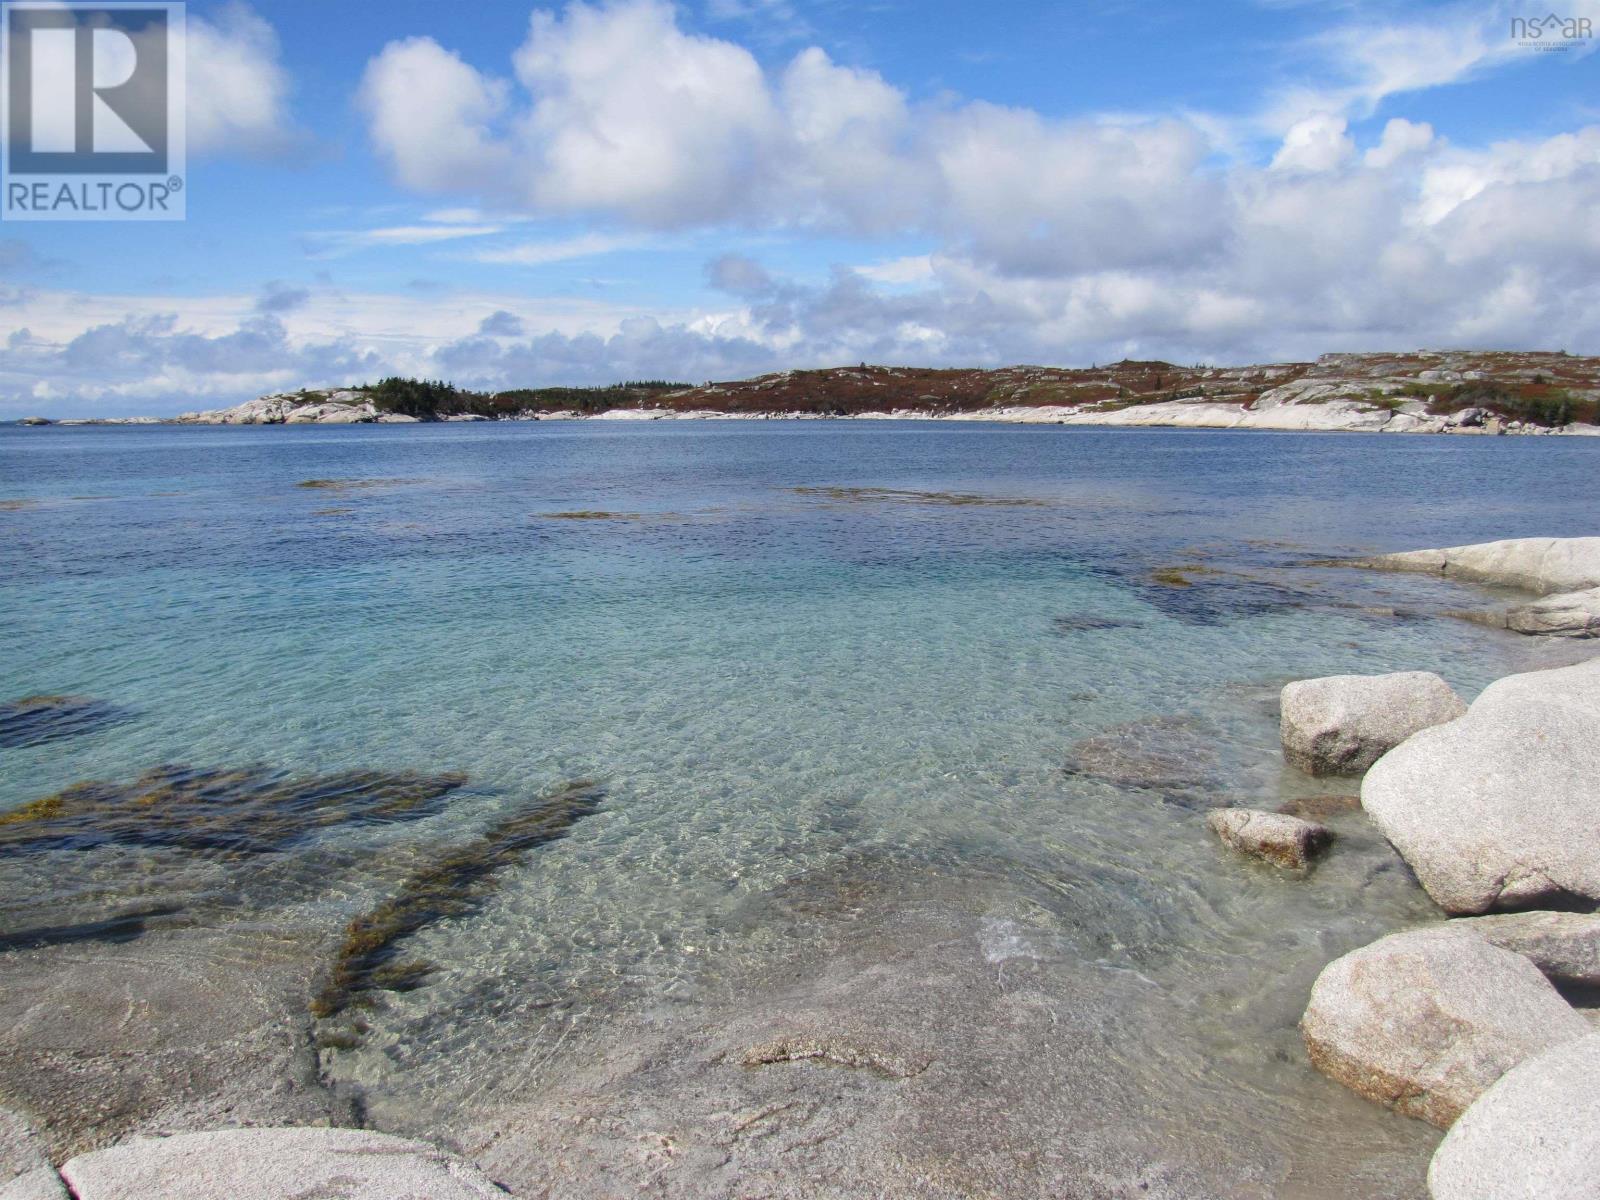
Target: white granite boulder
(1502, 807)
(275, 1164)
(1542, 565)
(1534, 1135)
(1426, 1021)
(1564, 945)
(1342, 724)
(1282, 840)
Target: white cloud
(535, 254)
(238, 91)
(1319, 143)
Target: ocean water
(786, 651)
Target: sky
(505, 195)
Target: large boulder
(275, 1164)
(1342, 724)
(1282, 840)
(1564, 945)
(1535, 1135)
(1542, 565)
(1502, 807)
(1426, 1021)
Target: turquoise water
(790, 647)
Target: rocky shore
(1484, 1025)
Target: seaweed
(34, 720)
(123, 927)
(1082, 622)
(884, 495)
(224, 813)
(592, 514)
(455, 885)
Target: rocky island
(1464, 392)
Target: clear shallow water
(773, 685)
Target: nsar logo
(93, 111)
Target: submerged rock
(1162, 753)
(1425, 1021)
(34, 720)
(454, 885)
(273, 1164)
(1342, 724)
(1542, 565)
(1319, 808)
(1272, 837)
(1498, 808)
(1564, 945)
(1534, 1135)
(228, 813)
(1568, 614)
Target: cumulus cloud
(238, 98)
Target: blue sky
(513, 195)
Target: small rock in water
(1426, 1021)
(1272, 837)
(1564, 945)
(1535, 1135)
(34, 720)
(271, 1164)
(1342, 724)
(1570, 614)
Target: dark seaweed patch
(34, 720)
(124, 927)
(1081, 622)
(230, 814)
(455, 885)
(882, 495)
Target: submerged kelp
(455, 885)
(883, 495)
(34, 720)
(228, 813)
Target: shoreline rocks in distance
(1427, 1020)
(1342, 724)
(1545, 566)
(1497, 808)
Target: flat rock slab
(1542, 565)
(276, 1164)
(1564, 945)
(1342, 724)
(1500, 809)
(1426, 1021)
(1535, 1135)
(184, 1028)
(1281, 840)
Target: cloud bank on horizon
(644, 191)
